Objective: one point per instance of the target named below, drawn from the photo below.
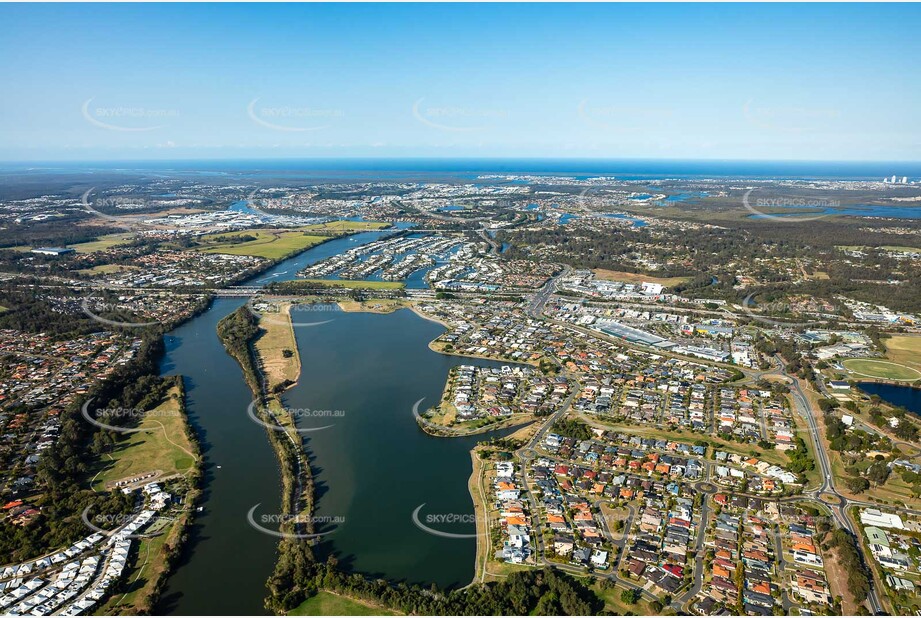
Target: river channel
(373, 467)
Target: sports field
(881, 369)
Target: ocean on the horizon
(623, 169)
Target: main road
(827, 486)
(804, 409)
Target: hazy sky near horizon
(726, 81)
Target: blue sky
(821, 82)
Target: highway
(827, 486)
(826, 493)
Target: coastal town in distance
(473, 374)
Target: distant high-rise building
(904, 180)
(893, 179)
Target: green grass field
(617, 607)
(884, 370)
(269, 244)
(341, 227)
(165, 447)
(328, 604)
(145, 570)
(103, 242)
(349, 283)
(100, 244)
(904, 349)
(894, 248)
(278, 243)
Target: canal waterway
(362, 373)
(373, 467)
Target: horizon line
(456, 158)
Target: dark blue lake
(905, 396)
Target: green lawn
(904, 349)
(894, 248)
(346, 226)
(901, 248)
(100, 244)
(278, 243)
(348, 283)
(270, 244)
(165, 447)
(328, 604)
(145, 571)
(614, 604)
(885, 370)
(103, 242)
